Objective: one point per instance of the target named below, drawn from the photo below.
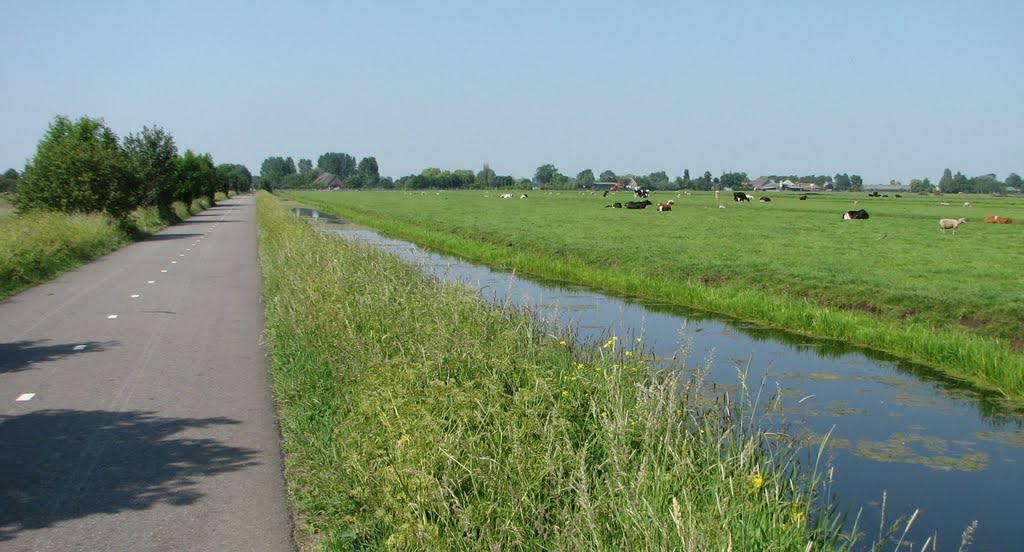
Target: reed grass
(793, 265)
(415, 416)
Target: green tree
(918, 186)
(856, 183)
(234, 177)
(609, 176)
(959, 183)
(341, 164)
(9, 180)
(734, 180)
(196, 177)
(369, 172)
(585, 178)
(486, 177)
(987, 184)
(946, 180)
(274, 169)
(305, 167)
(1013, 180)
(79, 166)
(545, 173)
(154, 158)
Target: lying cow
(664, 207)
(740, 196)
(638, 204)
(765, 199)
(615, 205)
(859, 214)
(998, 220)
(506, 196)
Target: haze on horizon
(884, 90)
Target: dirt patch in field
(715, 280)
(867, 307)
(907, 314)
(1017, 344)
(974, 322)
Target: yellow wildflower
(562, 343)
(615, 338)
(798, 517)
(609, 344)
(629, 353)
(565, 393)
(757, 481)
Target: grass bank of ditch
(38, 246)
(927, 299)
(416, 416)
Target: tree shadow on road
(57, 465)
(20, 355)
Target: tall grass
(898, 286)
(416, 416)
(37, 246)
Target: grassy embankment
(416, 416)
(894, 283)
(35, 247)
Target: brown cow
(998, 220)
(664, 207)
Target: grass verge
(754, 286)
(415, 416)
(38, 246)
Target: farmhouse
(329, 181)
(769, 185)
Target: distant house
(329, 181)
(602, 186)
(886, 188)
(766, 185)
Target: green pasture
(5, 207)
(894, 282)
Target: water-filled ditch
(929, 441)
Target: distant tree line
(282, 172)
(81, 166)
(958, 183)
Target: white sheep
(951, 223)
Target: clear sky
(885, 89)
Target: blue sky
(887, 90)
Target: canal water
(927, 441)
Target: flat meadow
(894, 282)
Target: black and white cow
(859, 214)
(740, 196)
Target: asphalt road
(136, 404)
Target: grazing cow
(859, 214)
(765, 199)
(716, 194)
(615, 205)
(874, 194)
(638, 204)
(898, 195)
(740, 196)
(998, 220)
(506, 196)
(642, 193)
(664, 207)
(524, 196)
(951, 223)
(803, 197)
(605, 193)
(967, 204)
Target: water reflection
(929, 440)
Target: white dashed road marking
(25, 397)
(112, 316)
(151, 281)
(135, 296)
(79, 347)
(164, 270)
